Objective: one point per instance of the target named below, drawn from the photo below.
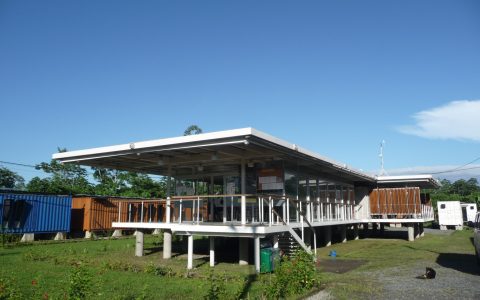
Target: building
(246, 184)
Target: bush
(80, 280)
(8, 290)
(216, 289)
(294, 276)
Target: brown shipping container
(98, 213)
(396, 202)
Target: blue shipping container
(34, 213)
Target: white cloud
(459, 120)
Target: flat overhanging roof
(421, 181)
(215, 152)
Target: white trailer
(450, 214)
(469, 210)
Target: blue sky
(336, 77)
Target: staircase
(288, 244)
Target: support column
(156, 231)
(365, 230)
(117, 233)
(167, 244)
(382, 229)
(355, 232)
(257, 254)
(243, 251)
(275, 241)
(212, 251)
(190, 252)
(308, 238)
(411, 234)
(422, 232)
(139, 243)
(243, 204)
(417, 230)
(60, 236)
(28, 237)
(88, 234)
(343, 233)
(328, 236)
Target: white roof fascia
(109, 151)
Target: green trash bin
(266, 262)
(275, 258)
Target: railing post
(141, 214)
(288, 211)
(167, 217)
(193, 211)
(180, 212)
(198, 210)
(119, 210)
(270, 211)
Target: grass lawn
(114, 272)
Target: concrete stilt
(60, 236)
(275, 241)
(355, 232)
(257, 254)
(88, 234)
(421, 230)
(411, 233)
(343, 233)
(243, 251)
(212, 251)
(167, 244)
(27, 237)
(365, 230)
(328, 236)
(117, 233)
(190, 252)
(139, 243)
(443, 227)
(459, 227)
(157, 231)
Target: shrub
(294, 276)
(8, 290)
(80, 280)
(216, 288)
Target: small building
(95, 214)
(30, 214)
(450, 215)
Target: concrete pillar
(27, 237)
(365, 230)
(411, 234)
(157, 231)
(212, 251)
(355, 232)
(243, 204)
(60, 236)
(343, 233)
(257, 254)
(139, 243)
(328, 236)
(308, 238)
(117, 233)
(422, 232)
(167, 244)
(88, 234)
(190, 252)
(275, 241)
(243, 251)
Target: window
(442, 206)
(471, 207)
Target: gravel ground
(450, 283)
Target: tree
(64, 179)
(110, 182)
(192, 129)
(10, 179)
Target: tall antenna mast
(382, 169)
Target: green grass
(117, 274)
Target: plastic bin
(266, 261)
